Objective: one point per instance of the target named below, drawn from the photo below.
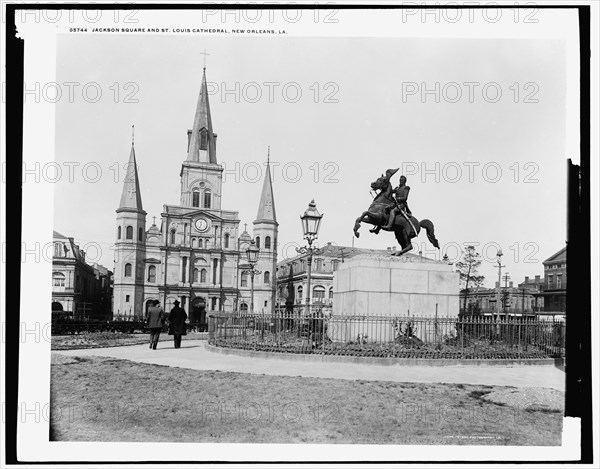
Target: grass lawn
(110, 339)
(105, 399)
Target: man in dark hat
(177, 326)
(155, 321)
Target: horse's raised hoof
(357, 234)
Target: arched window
(193, 242)
(226, 240)
(243, 307)
(127, 270)
(196, 276)
(244, 282)
(199, 242)
(331, 293)
(172, 241)
(129, 232)
(267, 277)
(195, 198)
(300, 290)
(207, 196)
(58, 279)
(140, 234)
(203, 276)
(119, 232)
(268, 242)
(203, 138)
(257, 241)
(58, 251)
(152, 273)
(318, 294)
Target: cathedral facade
(197, 254)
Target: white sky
(368, 130)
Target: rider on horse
(400, 195)
(394, 201)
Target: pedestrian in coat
(155, 321)
(177, 326)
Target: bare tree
(467, 267)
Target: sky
(486, 169)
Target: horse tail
(428, 225)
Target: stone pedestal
(409, 285)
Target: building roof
(558, 256)
(56, 234)
(346, 252)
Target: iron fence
(390, 336)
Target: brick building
(79, 290)
(554, 292)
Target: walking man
(155, 321)
(177, 326)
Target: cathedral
(197, 255)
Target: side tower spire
(131, 197)
(130, 246)
(266, 207)
(265, 229)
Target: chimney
(393, 248)
(526, 279)
(537, 279)
(497, 284)
(510, 284)
(389, 249)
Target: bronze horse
(378, 214)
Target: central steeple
(201, 175)
(202, 142)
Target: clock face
(201, 224)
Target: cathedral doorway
(198, 313)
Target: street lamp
(311, 222)
(252, 253)
(499, 261)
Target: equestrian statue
(389, 212)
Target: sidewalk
(194, 355)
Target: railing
(385, 336)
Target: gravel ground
(530, 399)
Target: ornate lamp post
(252, 256)
(498, 290)
(311, 222)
